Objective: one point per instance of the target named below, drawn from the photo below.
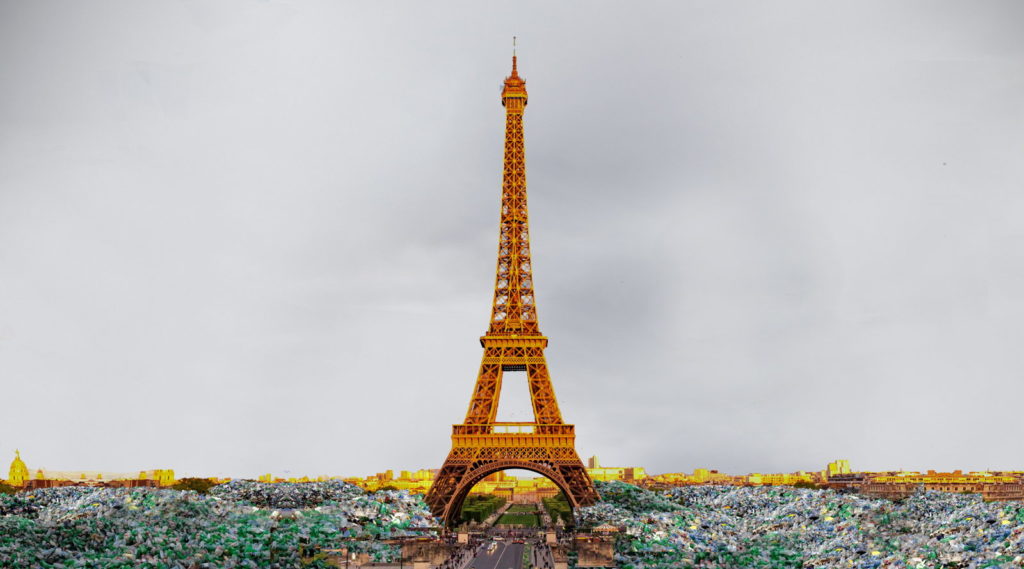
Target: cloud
(261, 236)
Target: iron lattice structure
(482, 445)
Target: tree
(201, 485)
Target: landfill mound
(769, 527)
(287, 494)
(244, 525)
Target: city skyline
(244, 237)
(527, 486)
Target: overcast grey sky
(247, 237)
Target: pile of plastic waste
(286, 494)
(108, 527)
(787, 527)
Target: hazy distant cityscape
(836, 475)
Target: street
(504, 556)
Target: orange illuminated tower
(513, 342)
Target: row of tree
(478, 508)
(558, 508)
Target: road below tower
(504, 556)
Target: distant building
(991, 485)
(607, 474)
(17, 475)
(424, 474)
(782, 479)
(1004, 491)
(836, 467)
(849, 482)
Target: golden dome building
(18, 473)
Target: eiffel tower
(513, 342)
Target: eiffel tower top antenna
(514, 56)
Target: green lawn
(528, 520)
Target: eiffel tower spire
(513, 342)
(514, 310)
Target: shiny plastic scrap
(768, 527)
(287, 494)
(114, 528)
